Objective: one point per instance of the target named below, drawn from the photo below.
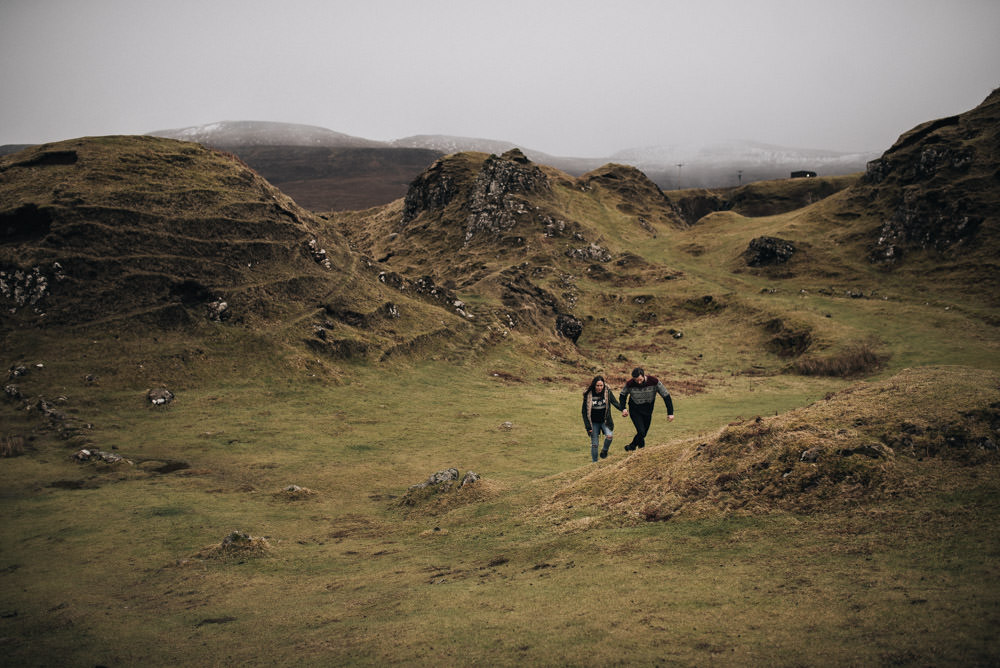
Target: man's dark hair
(636, 372)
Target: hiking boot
(604, 453)
(630, 448)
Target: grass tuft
(12, 446)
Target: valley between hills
(237, 430)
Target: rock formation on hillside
(493, 201)
(497, 201)
(936, 188)
(505, 230)
(116, 227)
(150, 232)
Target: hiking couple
(598, 399)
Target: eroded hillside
(134, 232)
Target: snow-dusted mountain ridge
(265, 133)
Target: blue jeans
(595, 437)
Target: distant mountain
(265, 133)
(387, 167)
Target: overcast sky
(567, 77)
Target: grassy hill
(826, 496)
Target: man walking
(641, 392)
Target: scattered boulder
(440, 490)
(569, 327)
(768, 251)
(218, 311)
(591, 253)
(294, 493)
(159, 396)
(506, 426)
(236, 545)
(319, 254)
(92, 455)
(445, 476)
(811, 455)
(12, 391)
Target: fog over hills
(745, 153)
(720, 164)
(715, 165)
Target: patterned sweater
(641, 398)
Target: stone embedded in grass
(445, 476)
(236, 544)
(17, 371)
(294, 493)
(811, 455)
(237, 538)
(441, 486)
(218, 311)
(94, 455)
(159, 396)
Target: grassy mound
(923, 428)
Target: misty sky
(567, 77)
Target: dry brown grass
(838, 453)
(11, 446)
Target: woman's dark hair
(593, 384)
(636, 372)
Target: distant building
(803, 174)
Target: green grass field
(265, 516)
(120, 570)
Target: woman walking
(597, 402)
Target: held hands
(625, 413)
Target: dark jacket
(641, 397)
(609, 401)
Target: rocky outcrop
(766, 251)
(433, 190)
(159, 396)
(935, 189)
(497, 202)
(569, 326)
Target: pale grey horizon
(571, 78)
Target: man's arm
(667, 401)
